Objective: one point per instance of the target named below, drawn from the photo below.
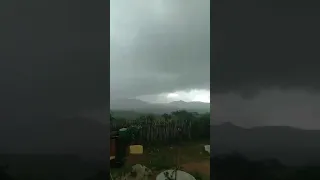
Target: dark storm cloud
(265, 63)
(261, 45)
(53, 57)
(159, 46)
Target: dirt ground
(202, 167)
(192, 159)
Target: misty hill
(157, 108)
(200, 106)
(290, 145)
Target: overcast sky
(160, 47)
(265, 63)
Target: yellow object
(112, 157)
(136, 149)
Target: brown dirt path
(202, 167)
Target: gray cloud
(265, 68)
(54, 56)
(159, 46)
(260, 46)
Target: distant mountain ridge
(290, 145)
(142, 106)
(134, 108)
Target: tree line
(176, 126)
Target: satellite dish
(181, 175)
(207, 148)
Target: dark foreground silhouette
(5, 175)
(224, 167)
(51, 167)
(237, 167)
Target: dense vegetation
(176, 126)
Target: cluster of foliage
(176, 126)
(236, 166)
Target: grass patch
(158, 160)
